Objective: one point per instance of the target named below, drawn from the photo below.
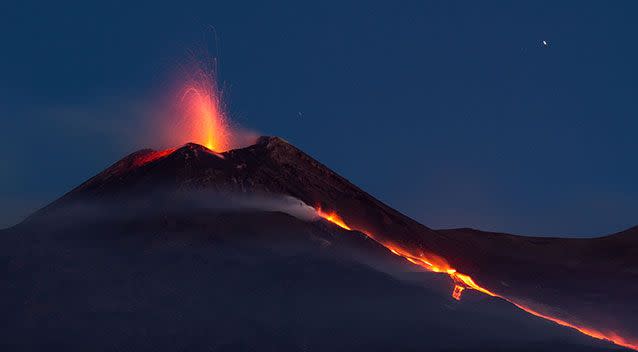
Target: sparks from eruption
(197, 109)
(462, 282)
(203, 111)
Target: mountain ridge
(530, 269)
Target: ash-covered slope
(532, 270)
(239, 280)
(270, 166)
(591, 283)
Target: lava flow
(333, 218)
(435, 263)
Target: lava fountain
(202, 111)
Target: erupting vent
(203, 109)
(198, 111)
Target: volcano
(264, 247)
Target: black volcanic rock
(238, 281)
(271, 166)
(591, 281)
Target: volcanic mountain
(164, 247)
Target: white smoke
(285, 204)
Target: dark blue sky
(450, 111)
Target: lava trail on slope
(534, 274)
(463, 281)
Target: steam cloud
(178, 203)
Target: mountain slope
(240, 280)
(551, 275)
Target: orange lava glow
(197, 110)
(608, 336)
(458, 290)
(199, 115)
(435, 263)
(203, 110)
(155, 155)
(333, 218)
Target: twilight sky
(450, 111)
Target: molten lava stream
(435, 263)
(333, 218)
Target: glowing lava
(203, 110)
(435, 263)
(333, 218)
(458, 290)
(198, 113)
(155, 155)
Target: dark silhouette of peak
(560, 277)
(270, 166)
